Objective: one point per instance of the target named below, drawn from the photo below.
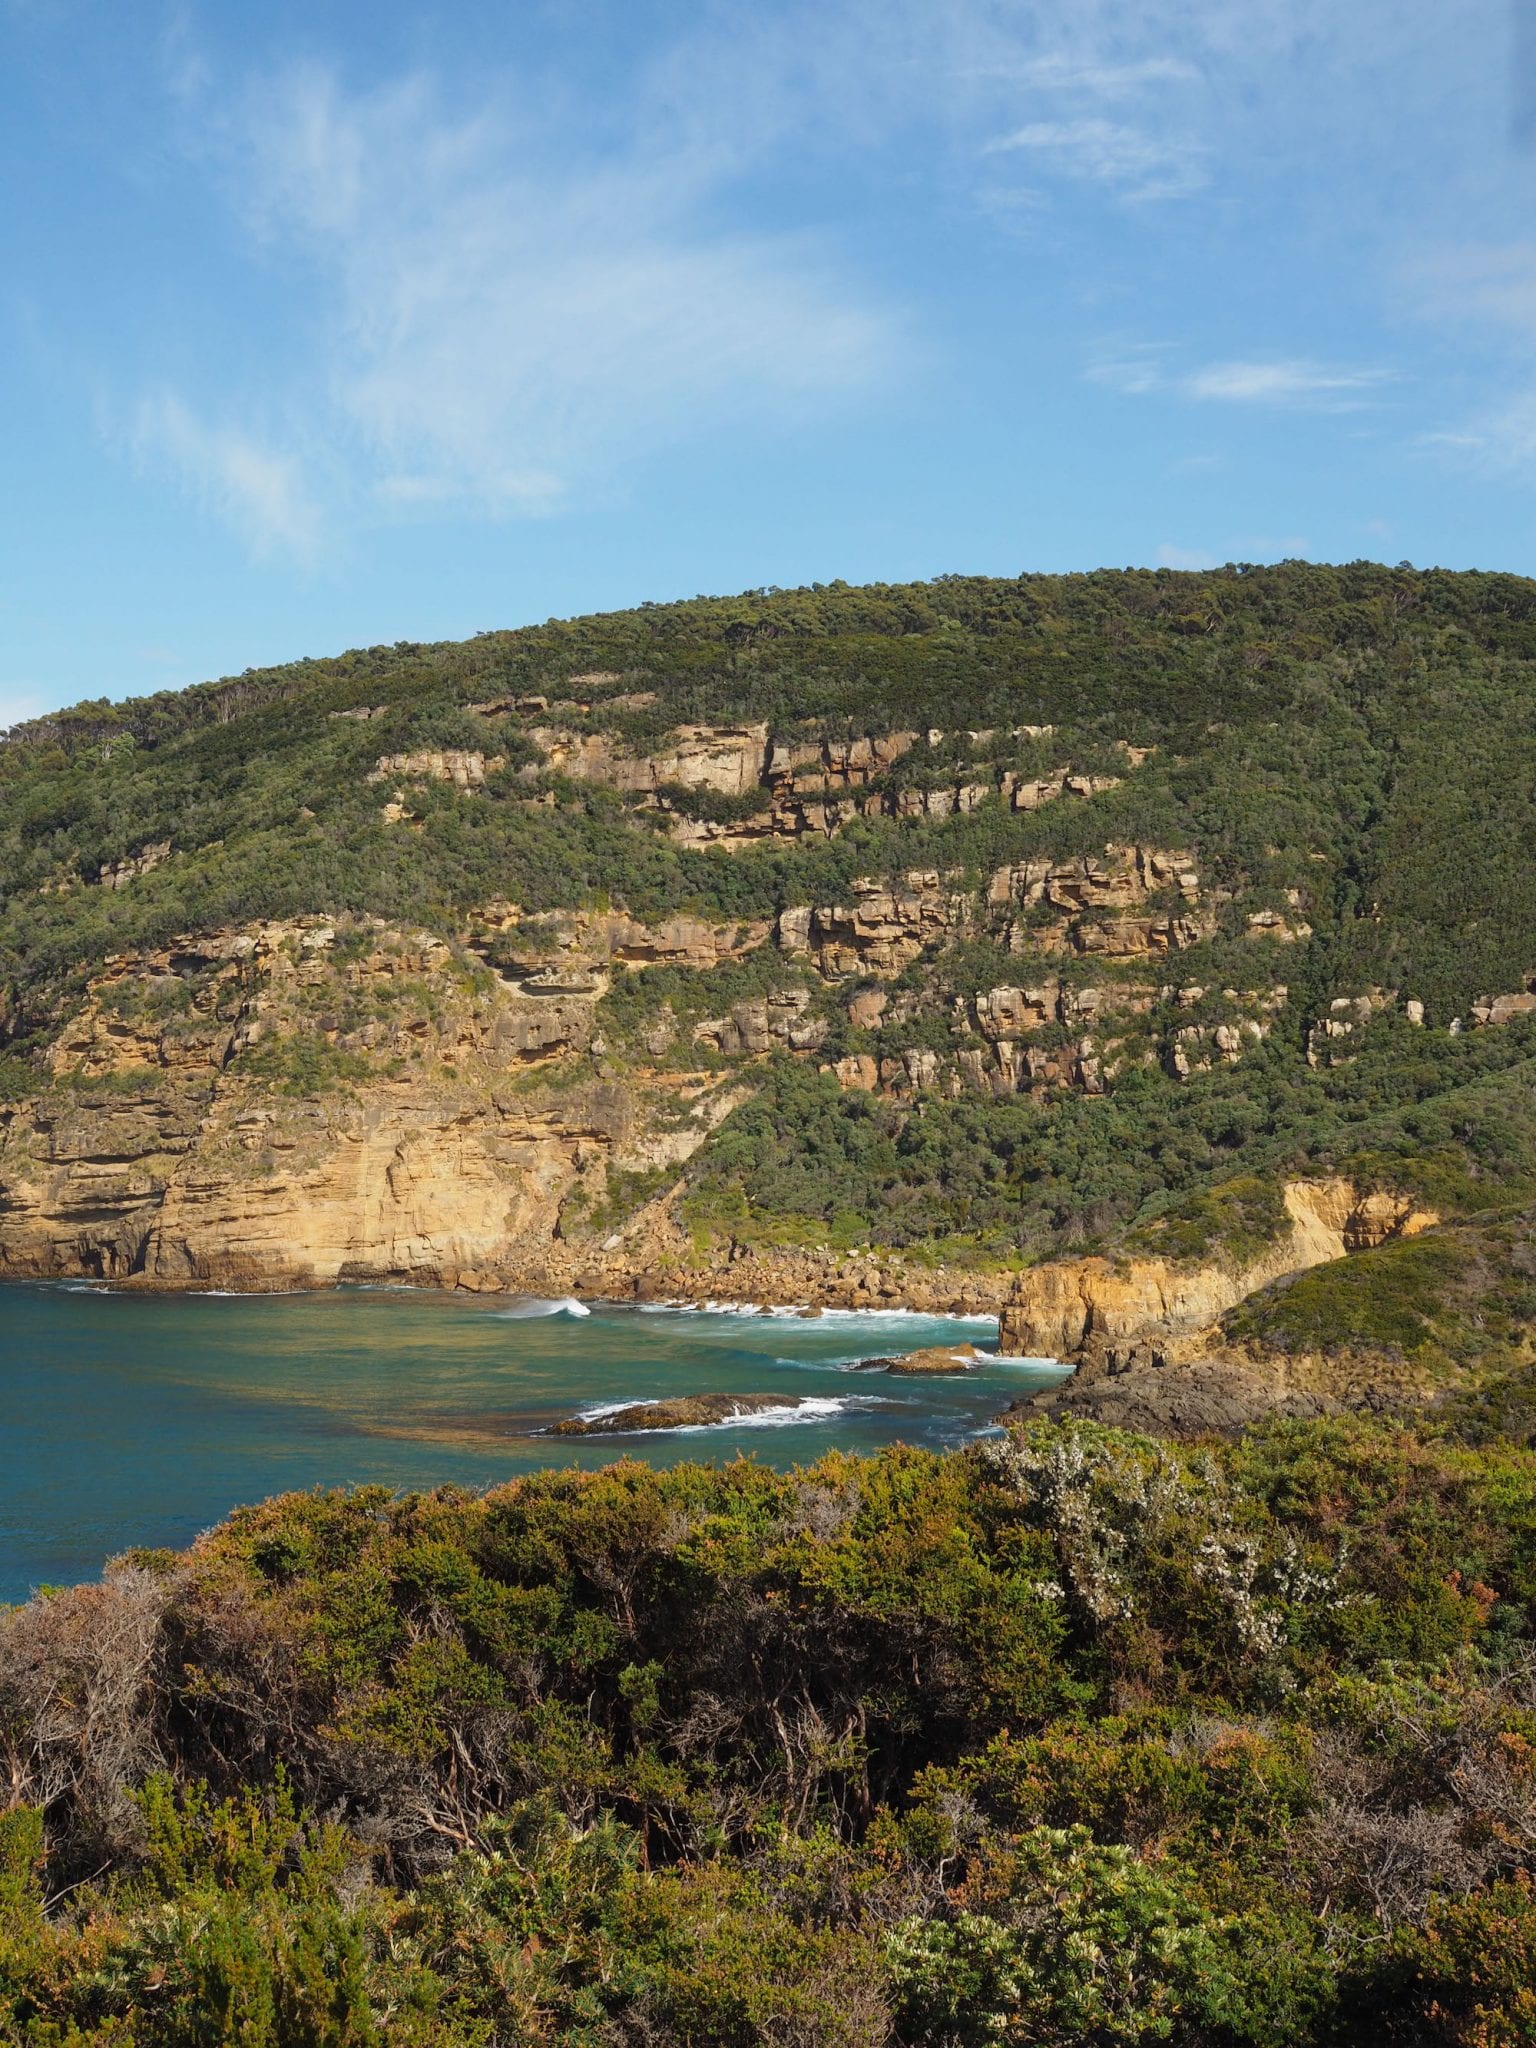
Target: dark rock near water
(687, 1411)
(1200, 1397)
(936, 1358)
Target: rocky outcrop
(1064, 1308)
(730, 760)
(117, 874)
(466, 770)
(1197, 1048)
(1131, 902)
(882, 930)
(293, 1104)
(1189, 1398)
(1124, 877)
(1203, 1387)
(594, 941)
(817, 805)
(1328, 1039)
(1285, 926)
(939, 1359)
(687, 1411)
(783, 1018)
(1495, 1010)
(809, 789)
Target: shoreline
(543, 1305)
(740, 1280)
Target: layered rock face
(595, 941)
(313, 1101)
(1132, 901)
(297, 1104)
(281, 1106)
(808, 789)
(882, 930)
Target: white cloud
(260, 491)
(1171, 557)
(497, 294)
(1144, 370)
(506, 315)
(1135, 162)
(1290, 381)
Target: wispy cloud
(1499, 440)
(1136, 370)
(504, 317)
(1171, 557)
(1280, 381)
(1136, 162)
(1485, 294)
(1291, 381)
(260, 491)
(1478, 283)
(501, 295)
(1104, 79)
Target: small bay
(142, 1419)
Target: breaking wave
(535, 1305)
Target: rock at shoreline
(934, 1358)
(688, 1411)
(1196, 1397)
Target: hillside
(1149, 959)
(827, 944)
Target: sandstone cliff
(307, 1103)
(1113, 1307)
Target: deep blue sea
(134, 1419)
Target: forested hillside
(1362, 736)
(1008, 910)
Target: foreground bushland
(1072, 1737)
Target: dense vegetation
(1369, 731)
(1363, 738)
(1454, 1122)
(1071, 1738)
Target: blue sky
(329, 324)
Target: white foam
(804, 1313)
(901, 1315)
(601, 1408)
(817, 1408)
(814, 1408)
(535, 1305)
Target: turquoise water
(133, 1419)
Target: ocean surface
(142, 1419)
